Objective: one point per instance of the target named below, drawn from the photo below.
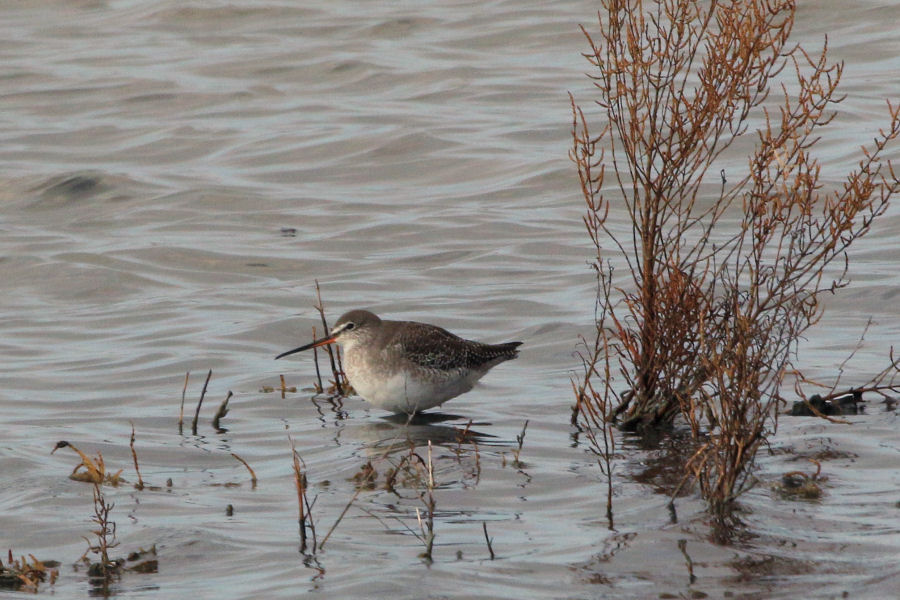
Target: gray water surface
(176, 175)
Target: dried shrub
(718, 287)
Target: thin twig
(200, 403)
(252, 473)
(304, 507)
(488, 539)
(183, 392)
(396, 518)
(140, 483)
(319, 387)
(320, 306)
(340, 517)
(682, 545)
(300, 483)
(521, 440)
(223, 410)
(429, 507)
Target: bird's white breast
(401, 389)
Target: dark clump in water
(668, 451)
(751, 568)
(844, 404)
(143, 561)
(73, 189)
(78, 184)
(798, 486)
(72, 186)
(23, 574)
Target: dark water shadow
(663, 455)
(401, 432)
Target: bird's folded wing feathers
(435, 348)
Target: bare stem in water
(140, 483)
(304, 518)
(336, 369)
(200, 403)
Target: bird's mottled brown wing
(432, 347)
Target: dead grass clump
(798, 485)
(90, 470)
(284, 389)
(142, 561)
(22, 574)
(366, 477)
(717, 289)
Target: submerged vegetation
(91, 470)
(105, 569)
(702, 303)
(403, 467)
(26, 575)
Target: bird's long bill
(315, 344)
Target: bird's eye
(349, 326)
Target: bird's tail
(508, 348)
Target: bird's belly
(405, 391)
